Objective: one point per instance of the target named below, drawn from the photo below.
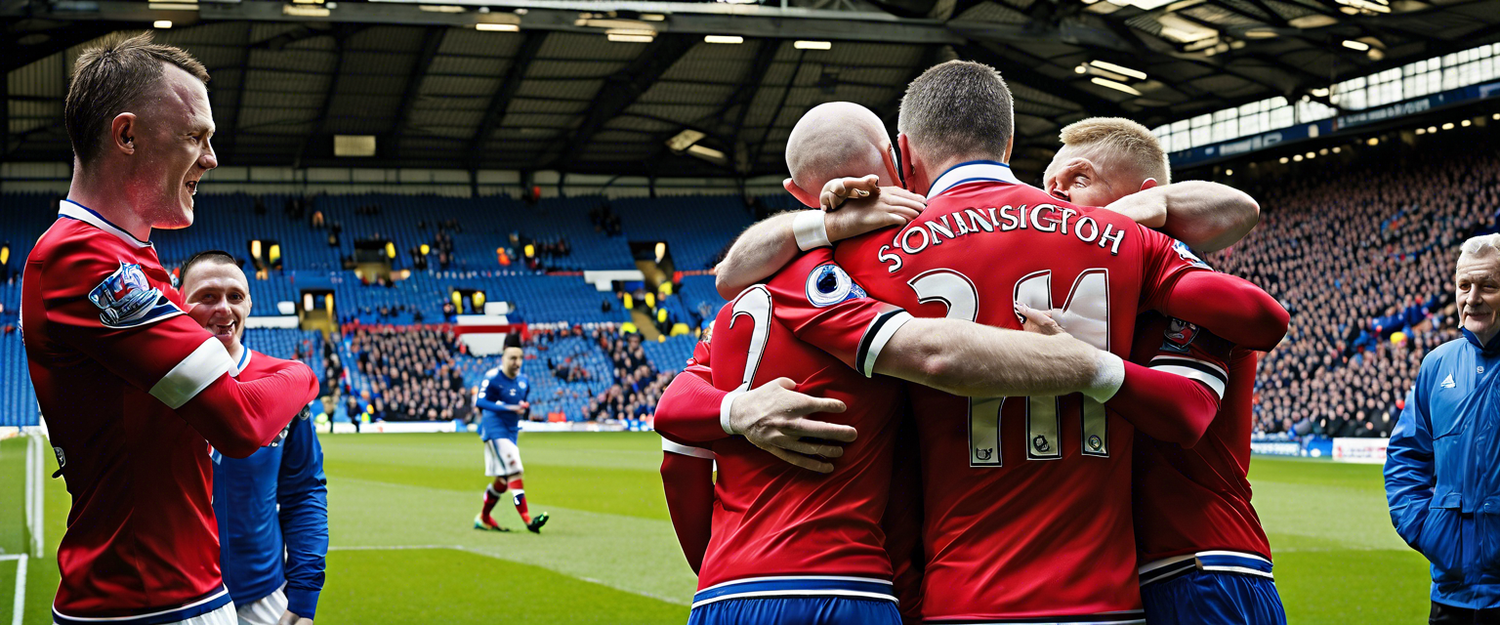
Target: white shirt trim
(180, 385)
(685, 450)
(970, 172)
(74, 210)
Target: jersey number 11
(1085, 315)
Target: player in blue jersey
(502, 404)
(272, 507)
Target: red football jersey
(1027, 516)
(777, 528)
(112, 355)
(1189, 501)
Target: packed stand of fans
(638, 385)
(1362, 255)
(411, 374)
(425, 374)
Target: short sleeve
(109, 310)
(821, 305)
(1195, 353)
(1165, 260)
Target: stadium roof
(559, 94)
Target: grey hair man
(1441, 480)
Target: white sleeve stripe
(676, 448)
(883, 335)
(1190, 362)
(193, 374)
(1213, 383)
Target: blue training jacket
(1442, 472)
(252, 533)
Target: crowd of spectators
(1362, 255)
(413, 375)
(638, 385)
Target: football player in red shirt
(134, 391)
(1025, 585)
(1202, 552)
(742, 539)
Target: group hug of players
(1091, 470)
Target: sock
(518, 497)
(491, 497)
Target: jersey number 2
(1085, 315)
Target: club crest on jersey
(129, 300)
(1187, 254)
(829, 284)
(1179, 336)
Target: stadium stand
(1362, 255)
(1381, 229)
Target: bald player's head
(837, 140)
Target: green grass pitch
(401, 507)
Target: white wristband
(811, 228)
(724, 406)
(1109, 376)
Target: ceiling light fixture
(1119, 69)
(161, 24)
(497, 28)
(812, 45)
(723, 39)
(304, 11)
(440, 8)
(173, 6)
(1105, 82)
(629, 38)
(1356, 45)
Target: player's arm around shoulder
(775, 241)
(974, 360)
(1207, 216)
(118, 309)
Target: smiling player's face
(218, 298)
(172, 143)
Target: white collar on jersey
(74, 210)
(972, 171)
(235, 368)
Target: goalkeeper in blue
(502, 404)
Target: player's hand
(291, 618)
(525, 405)
(1146, 209)
(773, 417)
(886, 207)
(1040, 322)
(839, 189)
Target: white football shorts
(266, 611)
(501, 458)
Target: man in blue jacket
(1442, 475)
(272, 507)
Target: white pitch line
(11, 556)
(20, 607)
